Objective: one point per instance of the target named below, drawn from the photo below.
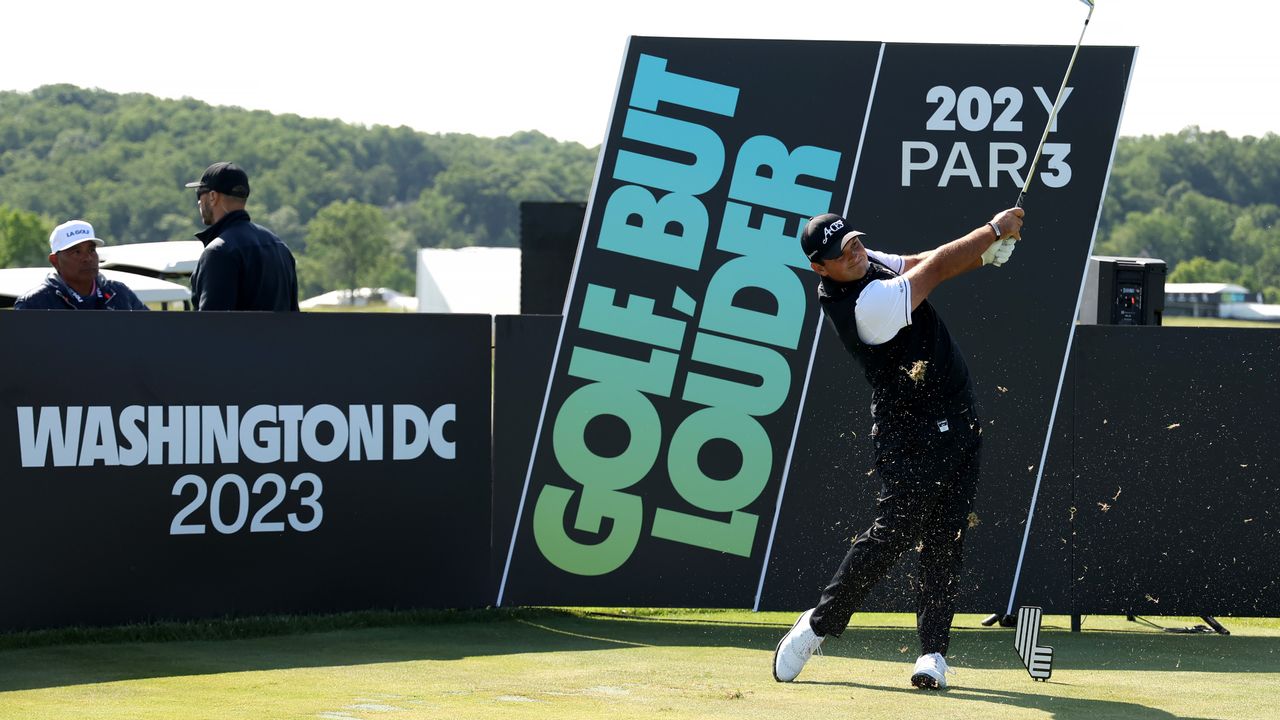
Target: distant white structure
(1251, 311)
(1202, 299)
(362, 297)
(1220, 300)
(15, 282)
(172, 259)
(480, 280)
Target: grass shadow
(121, 654)
(987, 648)
(1054, 706)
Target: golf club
(1053, 114)
(1007, 619)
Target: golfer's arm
(927, 270)
(910, 261)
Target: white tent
(1251, 311)
(361, 297)
(175, 258)
(16, 282)
(481, 280)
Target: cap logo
(77, 231)
(831, 229)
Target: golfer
(926, 433)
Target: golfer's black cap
(224, 177)
(823, 236)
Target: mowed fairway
(646, 664)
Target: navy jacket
(54, 294)
(244, 266)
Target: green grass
(1185, 321)
(617, 664)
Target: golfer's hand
(1010, 223)
(999, 252)
(989, 257)
(1003, 249)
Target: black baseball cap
(823, 237)
(224, 177)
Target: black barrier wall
(522, 350)
(1177, 494)
(549, 233)
(179, 465)
(1159, 496)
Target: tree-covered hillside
(1206, 203)
(120, 162)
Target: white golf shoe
(795, 648)
(931, 672)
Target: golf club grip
(1021, 197)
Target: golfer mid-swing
(926, 432)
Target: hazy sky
(493, 68)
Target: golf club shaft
(1053, 414)
(1053, 114)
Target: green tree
(1203, 270)
(348, 246)
(1256, 230)
(120, 161)
(1158, 233)
(1203, 202)
(1264, 274)
(285, 223)
(435, 220)
(1207, 223)
(24, 238)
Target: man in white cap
(77, 284)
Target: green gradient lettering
(653, 84)
(602, 479)
(706, 493)
(633, 321)
(765, 174)
(781, 328)
(765, 363)
(582, 558)
(672, 231)
(687, 179)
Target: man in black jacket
(926, 433)
(77, 284)
(244, 266)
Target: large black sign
(177, 466)
(951, 128)
(677, 380)
(672, 424)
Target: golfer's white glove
(1004, 249)
(999, 252)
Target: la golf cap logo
(72, 232)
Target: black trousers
(930, 478)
